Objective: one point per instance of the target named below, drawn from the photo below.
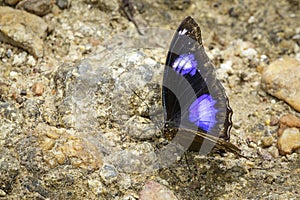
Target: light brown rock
(282, 80)
(289, 141)
(155, 191)
(288, 120)
(22, 29)
(38, 89)
(81, 154)
(58, 145)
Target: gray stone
(23, 30)
(141, 128)
(62, 4)
(108, 173)
(281, 79)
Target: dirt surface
(69, 129)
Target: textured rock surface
(22, 29)
(281, 79)
(59, 146)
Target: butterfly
(196, 108)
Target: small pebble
(23, 92)
(9, 53)
(252, 145)
(273, 151)
(264, 154)
(249, 53)
(96, 186)
(19, 59)
(227, 66)
(264, 58)
(267, 141)
(108, 173)
(19, 100)
(13, 74)
(31, 61)
(273, 101)
(2, 193)
(62, 4)
(38, 89)
(274, 121)
(251, 20)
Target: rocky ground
(80, 95)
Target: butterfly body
(194, 100)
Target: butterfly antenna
(187, 163)
(129, 10)
(134, 92)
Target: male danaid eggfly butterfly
(196, 108)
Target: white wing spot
(182, 32)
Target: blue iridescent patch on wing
(186, 64)
(203, 113)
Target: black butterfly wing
(192, 96)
